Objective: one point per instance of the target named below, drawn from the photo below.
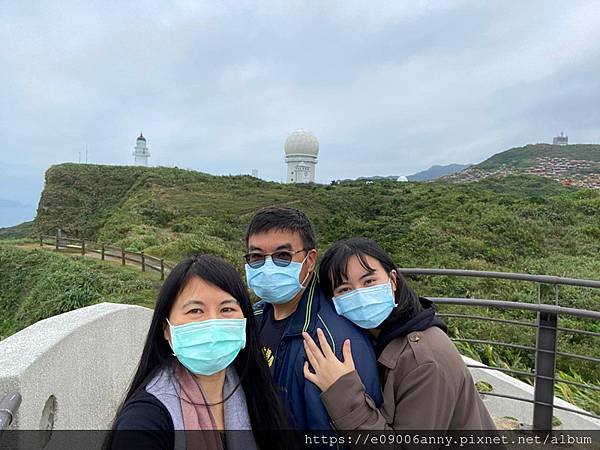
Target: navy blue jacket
(301, 396)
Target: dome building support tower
(301, 151)
(141, 152)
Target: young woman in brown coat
(426, 385)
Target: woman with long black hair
(201, 369)
(426, 384)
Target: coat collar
(390, 354)
(304, 318)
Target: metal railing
(107, 251)
(547, 329)
(9, 404)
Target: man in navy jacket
(281, 259)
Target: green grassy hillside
(519, 224)
(36, 284)
(17, 231)
(171, 212)
(523, 157)
(81, 197)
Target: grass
(587, 399)
(37, 284)
(18, 231)
(521, 157)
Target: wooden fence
(107, 251)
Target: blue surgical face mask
(209, 346)
(367, 307)
(275, 284)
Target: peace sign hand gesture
(327, 367)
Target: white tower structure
(141, 151)
(301, 151)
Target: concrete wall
(523, 411)
(77, 365)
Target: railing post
(545, 366)
(162, 269)
(102, 252)
(8, 408)
(143, 262)
(122, 256)
(83, 247)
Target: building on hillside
(561, 139)
(301, 151)
(141, 152)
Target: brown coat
(426, 386)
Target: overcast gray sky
(388, 88)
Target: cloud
(387, 87)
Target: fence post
(162, 269)
(56, 247)
(83, 247)
(122, 256)
(41, 240)
(9, 404)
(545, 365)
(143, 262)
(102, 252)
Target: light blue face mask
(275, 284)
(208, 346)
(367, 307)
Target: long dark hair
(333, 270)
(267, 416)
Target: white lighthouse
(141, 152)
(301, 151)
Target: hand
(328, 369)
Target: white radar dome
(302, 142)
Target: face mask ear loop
(171, 333)
(393, 293)
(307, 275)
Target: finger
(311, 357)
(314, 349)
(325, 347)
(308, 374)
(347, 352)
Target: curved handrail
(537, 307)
(546, 323)
(9, 404)
(547, 279)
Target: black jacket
(144, 423)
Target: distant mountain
(375, 178)
(432, 173)
(572, 165)
(18, 231)
(435, 172)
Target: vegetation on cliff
(517, 224)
